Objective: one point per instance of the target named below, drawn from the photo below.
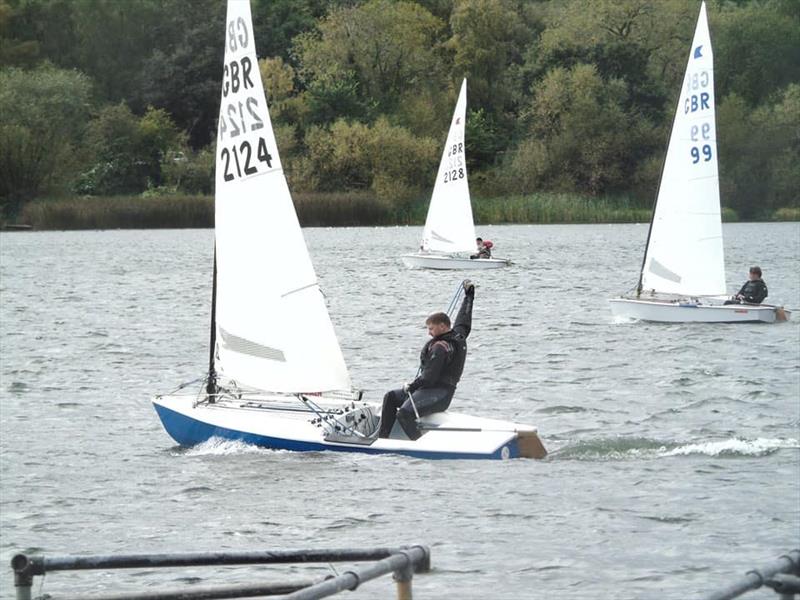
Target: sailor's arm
(463, 324)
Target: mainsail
(273, 331)
(685, 251)
(449, 226)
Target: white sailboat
(683, 272)
(449, 228)
(277, 377)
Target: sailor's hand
(406, 387)
(469, 288)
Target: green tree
(385, 158)
(183, 72)
(15, 52)
(44, 113)
(581, 136)
(489, 38)
(388, 48)
(759, 154)
(756, 49)
(127, 152)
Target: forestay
(685, 250)
(449, 226)
(273, 328)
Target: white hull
(684, 311)
(286, 424)
(443, 262)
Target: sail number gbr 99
(244, 150)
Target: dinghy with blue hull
(446, 435)
(277, 377)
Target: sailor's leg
(427, 401)
(391, 401)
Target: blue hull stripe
(190, 432)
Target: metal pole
(210, 593)
(39, 565)
(23, 582)
(755, 578)
(350, 580)
(403, 579)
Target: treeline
(120, 97)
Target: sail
(685, 251)
(449, 226)
(273, 328)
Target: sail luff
(685, 250)
(273, 331)
(449, 226)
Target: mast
(649, 230)
(211, 385)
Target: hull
(443, 262)
(695, 312)
(289, 427)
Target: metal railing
(782, 575)
(402, 561)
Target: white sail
(273, 328)
(449, 226)
(685, 251)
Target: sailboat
(277, 377)
(449, 228)
(682, 278)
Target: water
(674, 465)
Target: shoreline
(346, 209)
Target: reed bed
(338, 210)
(558, 208)
(786, 214)
(121, 212)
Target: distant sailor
(754, 290)
(442, 362)
(484, 248)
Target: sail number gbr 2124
(244, 152)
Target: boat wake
(221, 447)
(620, 449)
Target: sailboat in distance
(449, 227)
(277, 377)
(682, 278)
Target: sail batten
(273, 328)
(449, 226)
(686, 231)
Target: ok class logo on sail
(242, 115)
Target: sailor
(754, 290)
(484, 249)
(441, 364)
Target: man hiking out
(441, 364)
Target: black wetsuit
(752, 292)
(442, 362)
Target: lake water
(674, 460)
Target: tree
(45, 111)
(756, 49)
(759, 154)
(387, 48)
(581, 137)
(489, 38)
(183, 72)
(127, 151)
(387, 159)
